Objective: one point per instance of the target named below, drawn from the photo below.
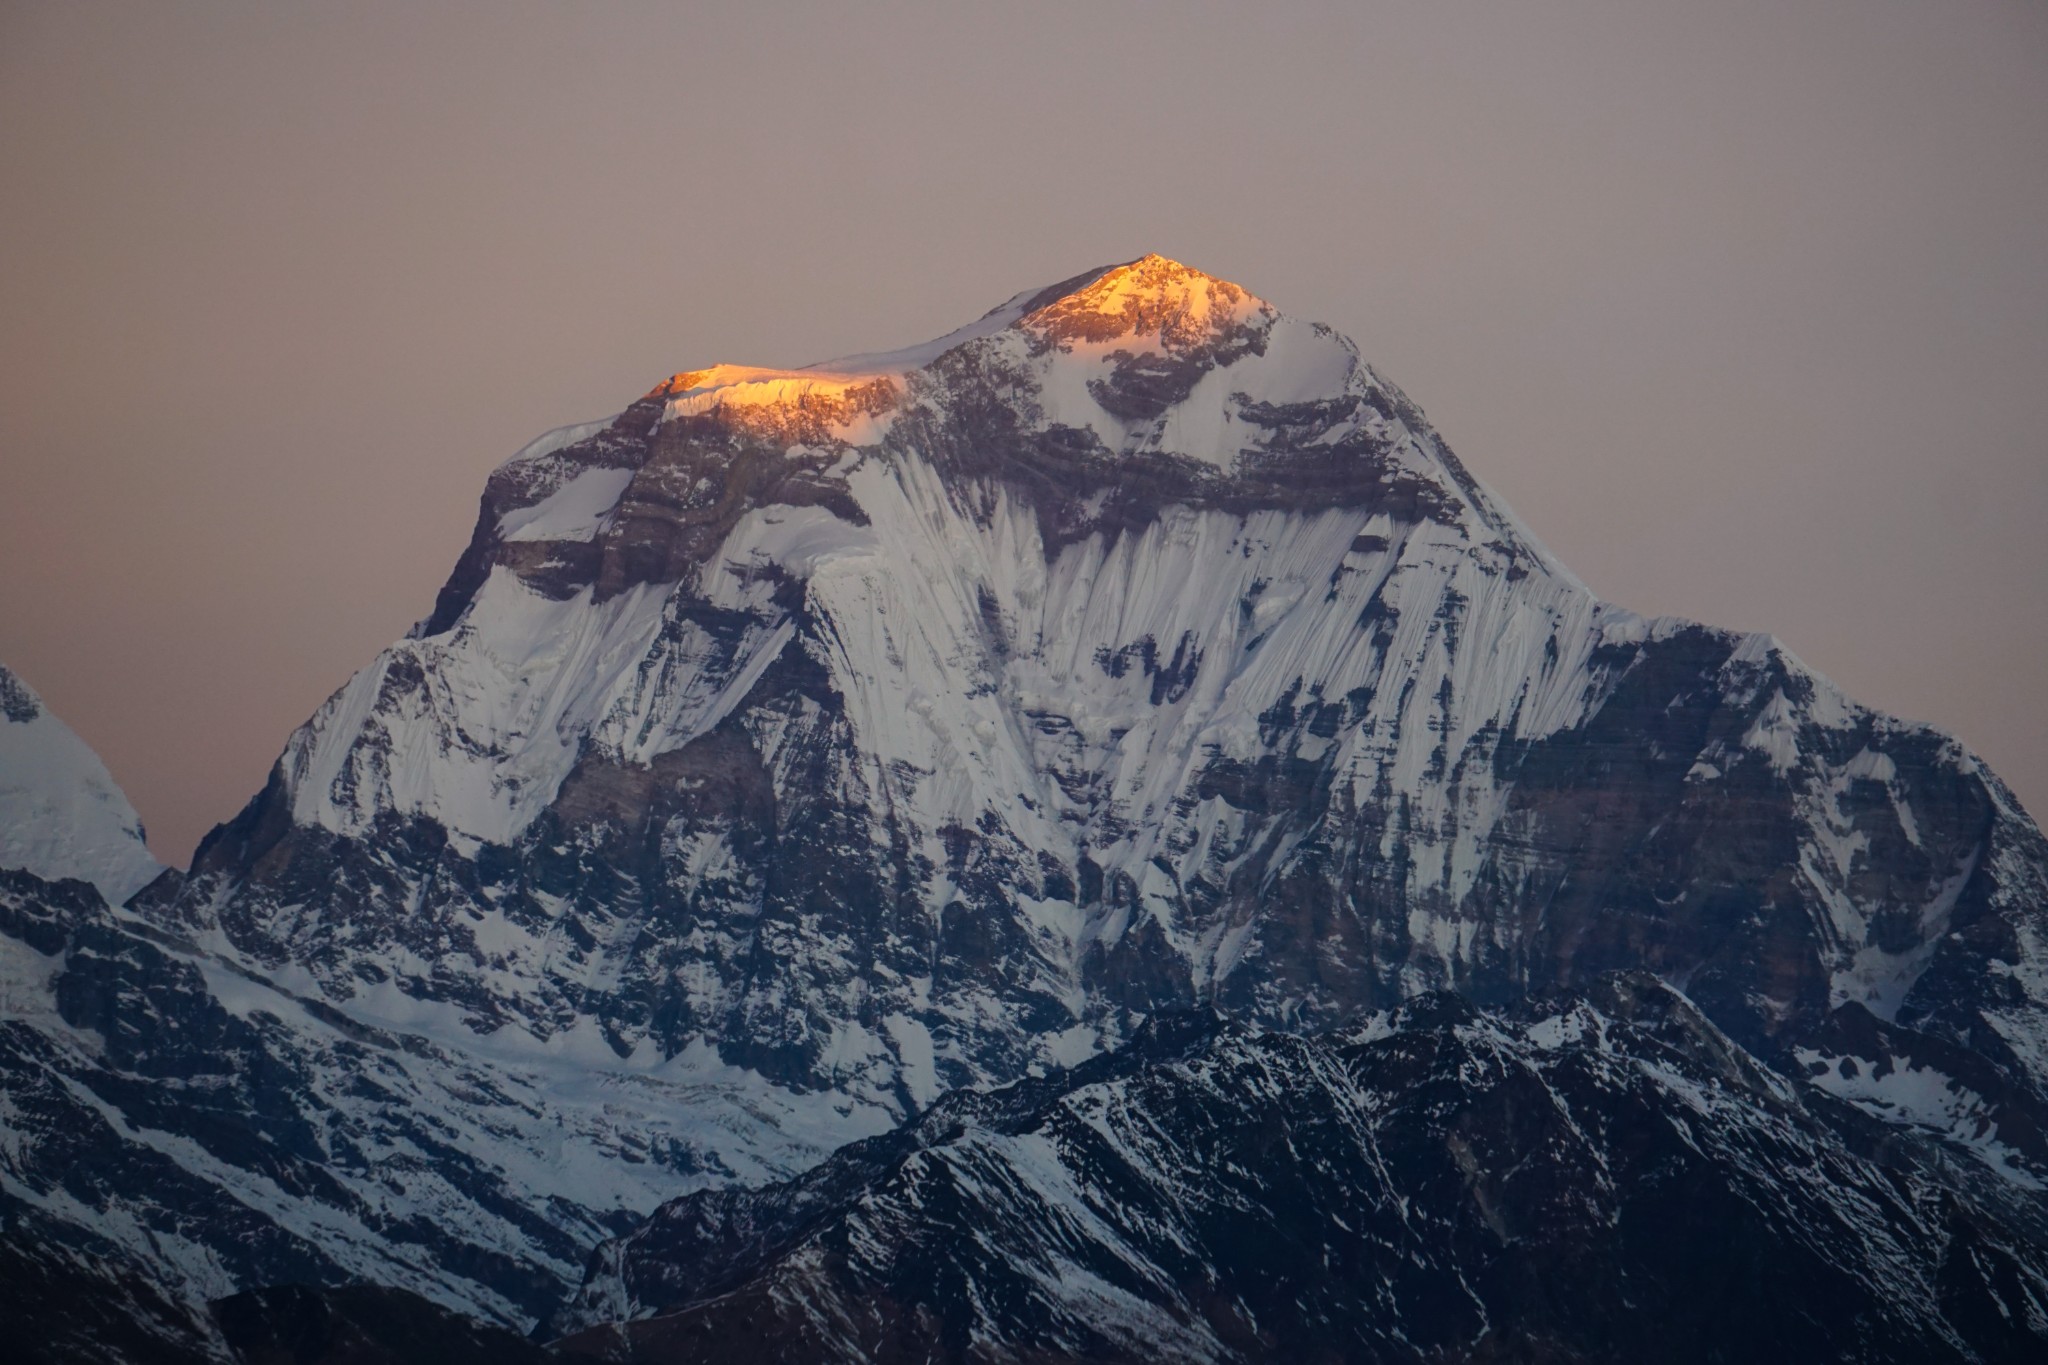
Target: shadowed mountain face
(798, 746)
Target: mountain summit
(797, 746)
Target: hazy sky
(1743, 307)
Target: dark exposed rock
(61, 1306)
(17, 704)
(361, 1325)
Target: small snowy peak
(1154, 358)
(61, 815)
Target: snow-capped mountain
(904, 722)
(796, 747)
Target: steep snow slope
(60, 813)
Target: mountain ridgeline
(1116, 768)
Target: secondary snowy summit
(60, 813)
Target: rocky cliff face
(799, 745)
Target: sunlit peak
(1152, 295)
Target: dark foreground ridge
(1597, 1177)
(1605, 1177)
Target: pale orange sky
(1743, 307)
